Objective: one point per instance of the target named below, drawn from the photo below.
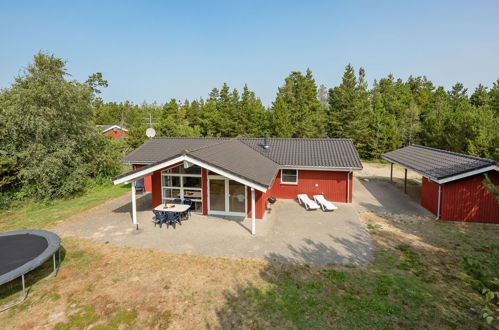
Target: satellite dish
(150, 132)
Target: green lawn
(42, 215)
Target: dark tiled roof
(334, 153)
(239, 159)
(246, 158)
(330, 153)
(160, 148)
(435, 163)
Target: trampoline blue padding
(21, 251)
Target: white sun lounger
(307, 202)
(324, 203)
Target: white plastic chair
(324, 203)
(307, 202)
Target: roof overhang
(467, 174)
(321, 168)
(114, 126)
(450, 178)
(147, 171)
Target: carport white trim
(467, 174)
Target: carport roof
(437, 164)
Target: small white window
(289, 176)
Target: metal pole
(405, 181)
(391, 172)
(253, 212)
(348, 187)
(22, 278)
(53, 258)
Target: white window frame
(181, 188)
(227, 201)
(291, 183)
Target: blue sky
(156, 50)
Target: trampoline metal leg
(56, 266)
(23, 297)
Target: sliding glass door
(217, 195)
(227, 197)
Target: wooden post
(134, 206)
(253, 212)
(391, 172)
(405, 181)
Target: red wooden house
(236, 176)
(114, 131)
(452, 186)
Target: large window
(289, 176)
(183, 183)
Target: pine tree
(299, 93)
(283, 127)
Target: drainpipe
(439, 201)
(348, 186)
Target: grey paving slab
(288, 233)
(381, 197)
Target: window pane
(175, 169)
(289, 172)
(237, 200)
(197, 207)
(172, 193)
(217, 195)
(192, 194)
(192, 182)
(289, 176)
(171, 181)
(193, 170)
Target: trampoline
(21, 251)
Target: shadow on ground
(409, 285)
(143, 204)
(9, 292)
(353, 252)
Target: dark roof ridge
(453, 153)
(187, 151)
(279, 138)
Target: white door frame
(227, 201)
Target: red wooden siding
(468, 200)
(118, 135)
(429, 195)
(331, 184)
(147, 179)
(462, 200)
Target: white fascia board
(148, 171)
(225, 174)
(320, 168)
(115, 126)
(467, 174)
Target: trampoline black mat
(23, 250)
(16, 250)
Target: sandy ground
(383, 170)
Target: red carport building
(236, 176)
(452, 185)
